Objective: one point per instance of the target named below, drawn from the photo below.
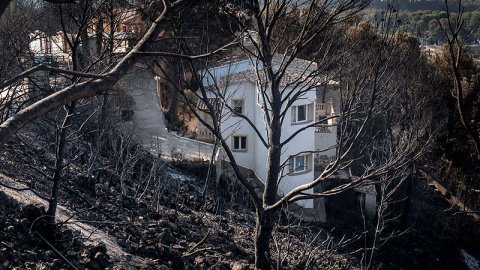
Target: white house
(55, 45)
(240, 90)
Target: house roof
(299, 72)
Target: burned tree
(363, 64)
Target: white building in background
(42, 44)
(241, 91)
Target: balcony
(323, 108)
(323, 111)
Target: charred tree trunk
(99, 37)
(61, 144)
(57, 174)
(263, 234)
(266, 219)
(87, 55)
(111, 49)
(406, 204)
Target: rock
(183, 243)
(169, 253)
(134, 246)
(218, 266)
(159, 267)
(151, 251)
(102, 259)
(167, 237)
(97, 247)
(200, 263)
(33, 212)
(42, 266)
(71, 253)
(3, 254)
(85, 254)
(155, 216)
(177, 263)
(235, 249)
(29, 265)
(56, 263)
(84, 261)
(211, 261)
(240, 266)
(93, 265)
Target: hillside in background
(415, 5)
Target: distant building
(127, 27)
(432, 51)
(43, 44)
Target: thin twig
(199, 243)
(201, 250)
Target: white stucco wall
(35, 46)
(255, 157)
(57, 44)
(325, 141)
(304, 141)
(40, 43)
(234, 125)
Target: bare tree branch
(86, 89)
(43, 67)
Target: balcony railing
(323, 108)
(323, 129)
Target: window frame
(240, 149)
(308, 114)
(234, 112)
(307, 167)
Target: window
(299, 163)
(239, 143)
(238, 106)
(302, 113)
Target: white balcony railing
(322, 108)
(323, 129)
